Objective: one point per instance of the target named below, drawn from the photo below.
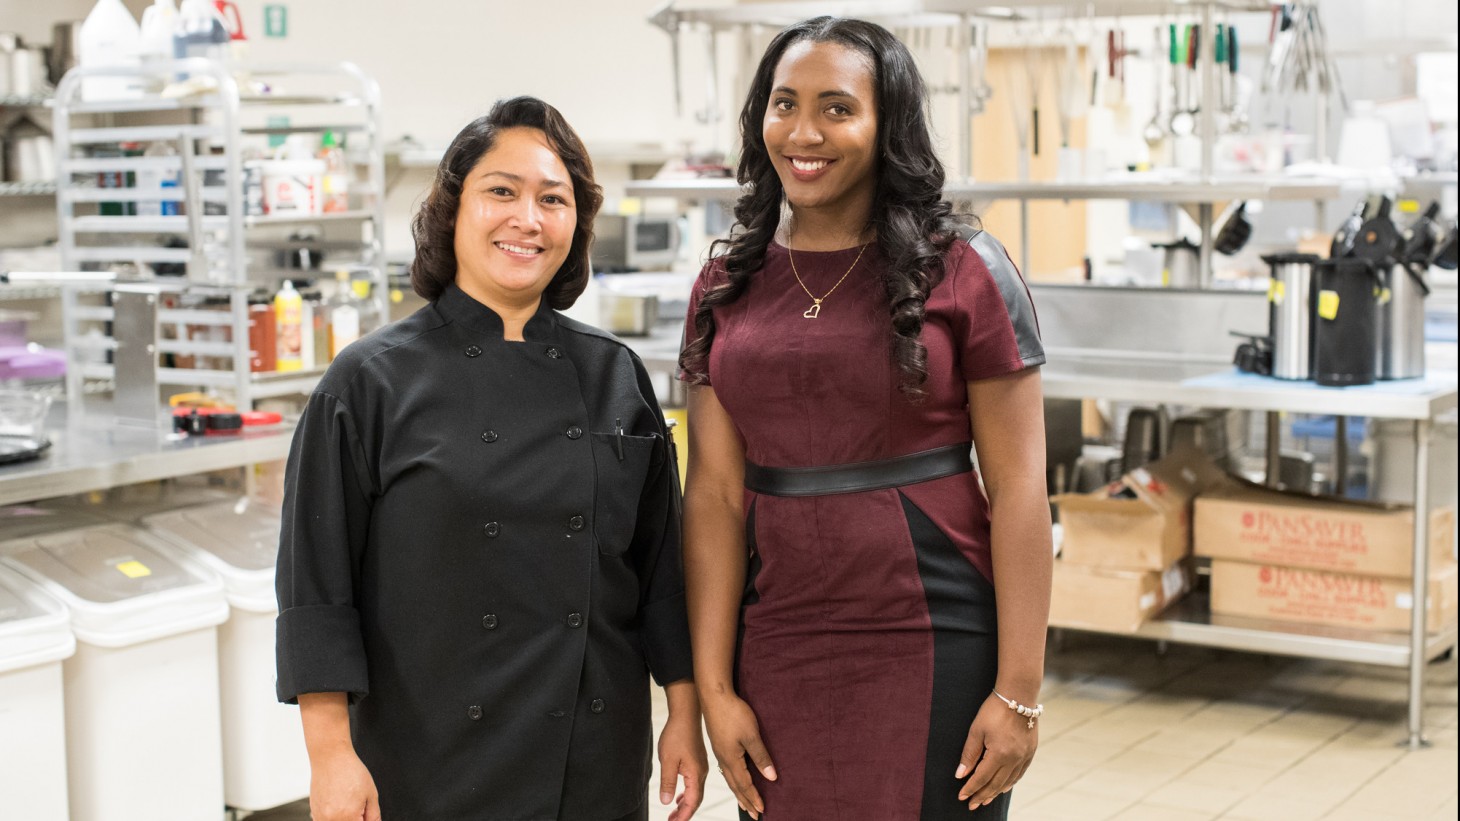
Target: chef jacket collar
(458, 306)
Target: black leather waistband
(856, 477)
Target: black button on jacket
(405, 534)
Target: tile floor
(1193, 734)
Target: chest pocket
(622, 462)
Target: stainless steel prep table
(101, 454)
(1190, 621)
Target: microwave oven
(624, 243)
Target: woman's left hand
(999, 749)
(682, 755)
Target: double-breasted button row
(490, 436)
(474, 712)
(576, 523)
(473, 351)
(489, 621)
(574, 432)
(492, 529)
(597, 705)
(575, 620)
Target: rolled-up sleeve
(664, 620)
(327, 499)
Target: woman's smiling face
(514, 226)
(820, 127)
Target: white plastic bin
(264, 760)
(142, 725)
(35, 636)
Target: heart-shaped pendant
(813, 311)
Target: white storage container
(142, 723)
(264, 760)
(35, 636)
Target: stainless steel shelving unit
(208, 130)
(1183, 191)
(1419, 401)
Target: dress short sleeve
(701, 373)
(997, 329)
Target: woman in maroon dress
(841, 556)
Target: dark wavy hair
(434, 225)
(913, 224)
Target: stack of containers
(141, 692)
(264, 759)
(1123, 555)
(1323, 560)
(35, 637)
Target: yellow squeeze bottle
(289, 320)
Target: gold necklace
(815, 309)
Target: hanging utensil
(985, 91)
(1182, 123)
(1154, 133)
(1237, 119)
(1034, 68)
(678, 78)
(1068, 90)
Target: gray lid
(247, 540)
(15, 608)
(104, 564)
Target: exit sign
(276, 21)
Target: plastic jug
(158, 22)
(200, 31)
(110, 36)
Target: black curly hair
(434, 225)
(913, 224)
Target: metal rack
(1418, 401)
(961, 18)
(216, 232)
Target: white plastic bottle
(158, 23)
(344, 315)
(110, 36)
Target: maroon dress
(868, 634)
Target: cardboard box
(1113, 601)
(1148, 532)
(1247, 522)
(1337, 599)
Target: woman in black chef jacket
(479, 565)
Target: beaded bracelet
(1031, 713)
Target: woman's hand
(999, 749)
(734, 735)
(682, 755)
(341, 789)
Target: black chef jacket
(481, 546)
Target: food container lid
(34, 627)
(237, 540)
(120, 588)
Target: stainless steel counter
(97, 455)
(1221, 386)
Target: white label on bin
(1404, 601)
(134, 569)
